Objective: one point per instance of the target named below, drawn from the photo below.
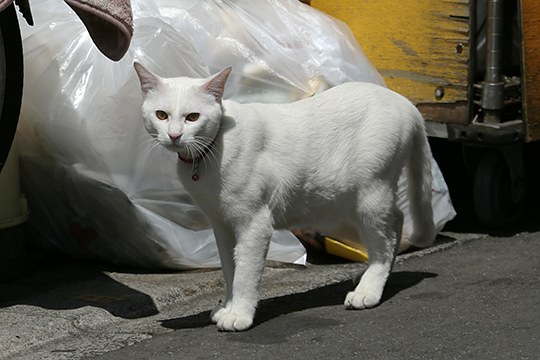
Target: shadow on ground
(329, 295)
(59, 283)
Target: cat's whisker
(195, 149)
(203, 141)
(194, 154)
(190, 155)
(155, 156)
(147, 143)
(207, 151)
(206, 144)
(151, 149)
(157, 152)
(207, 160)
(202, 150)
(212, 157)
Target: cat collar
(195, 161)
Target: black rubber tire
(494, 204)
(11, 68)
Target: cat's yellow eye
(162, 115)
(192, 116)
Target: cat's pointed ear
(216, 85)
(149, 81)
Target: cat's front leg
(225, 243)
(249, 254)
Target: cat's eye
(162, 115)
(192, 116)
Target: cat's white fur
(329, 162)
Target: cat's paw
(361, 300)
(218, 312)
(232, 321)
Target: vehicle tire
(11, 79)
(495, 204)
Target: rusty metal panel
(530, 17)
(421, 47)
(449, 113)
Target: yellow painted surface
(417, 45)
(531, 67)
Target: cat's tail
(419, 189)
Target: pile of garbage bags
(97, 184)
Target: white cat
(329, 162)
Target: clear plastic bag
(280, 50)
(98, 186)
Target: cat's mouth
(173, 146)
(173, 143)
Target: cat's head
(183, 114)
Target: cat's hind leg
(379, 227)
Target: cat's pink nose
(175, 137)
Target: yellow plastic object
(337, 248)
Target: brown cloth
(109, 22)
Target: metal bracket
(489, 134)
